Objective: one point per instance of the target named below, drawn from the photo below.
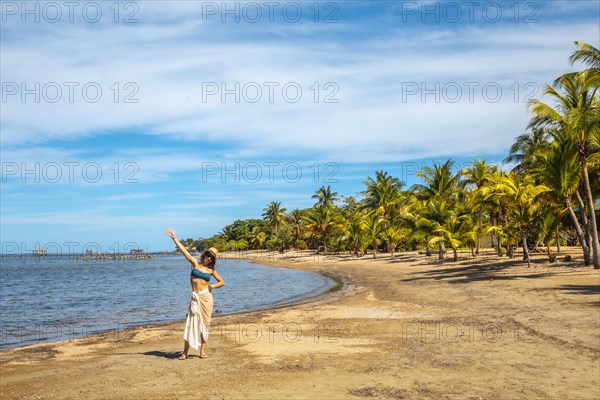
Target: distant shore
(402, 327)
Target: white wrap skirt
(197, 320)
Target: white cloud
(169, 63)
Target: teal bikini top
(196, 273)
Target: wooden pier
(39, 252)
(133, 255)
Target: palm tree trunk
(524, 240)
(455, 254)
(525, 250)
(557, 239)
(580, 236)
(386, 225)
(551, 257)
(594, 227)
(479, 231)
(501, 220)
(325, 244)
(492, 224)
(374, 245)
(442, 250)
(588, 239)
(586, 229)
(499, 248)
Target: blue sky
(117, 122)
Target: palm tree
(355, 236)
(478, 176)
(441, 189)
(587, 54)
(577, 114)
(381, 196)
(381, 192)
(257, 238)
(296, 221)
(374, 227)
(507, 233)
(549, 222)
(523, 150)
(422, 227)
(439, 182)
(456, 230)
(321, 221)
(435, 214)
(499, 209)
(325, 196)
(274, 215)
(351, 207)
(521, 192)
(393, 235)
(558, 168)
(227, 232)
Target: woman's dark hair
(212, 263)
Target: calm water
(54, 298)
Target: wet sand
(408, 327)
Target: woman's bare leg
(203, 347)
(186, 348)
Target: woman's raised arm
(171, 233)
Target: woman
(197, 320)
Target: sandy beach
(403, 328)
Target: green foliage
(325, 196)
(323, 221)
(302, 245)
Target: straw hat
(213, 251)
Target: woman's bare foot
(182, 356)
(203, 355)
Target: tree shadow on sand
(163, 354)
(587, 290)
(402, 258)
(475, 272)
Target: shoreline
(309, 298)
(391, 332)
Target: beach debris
(379, 391)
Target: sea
(50, 298)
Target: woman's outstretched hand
(170, 233)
